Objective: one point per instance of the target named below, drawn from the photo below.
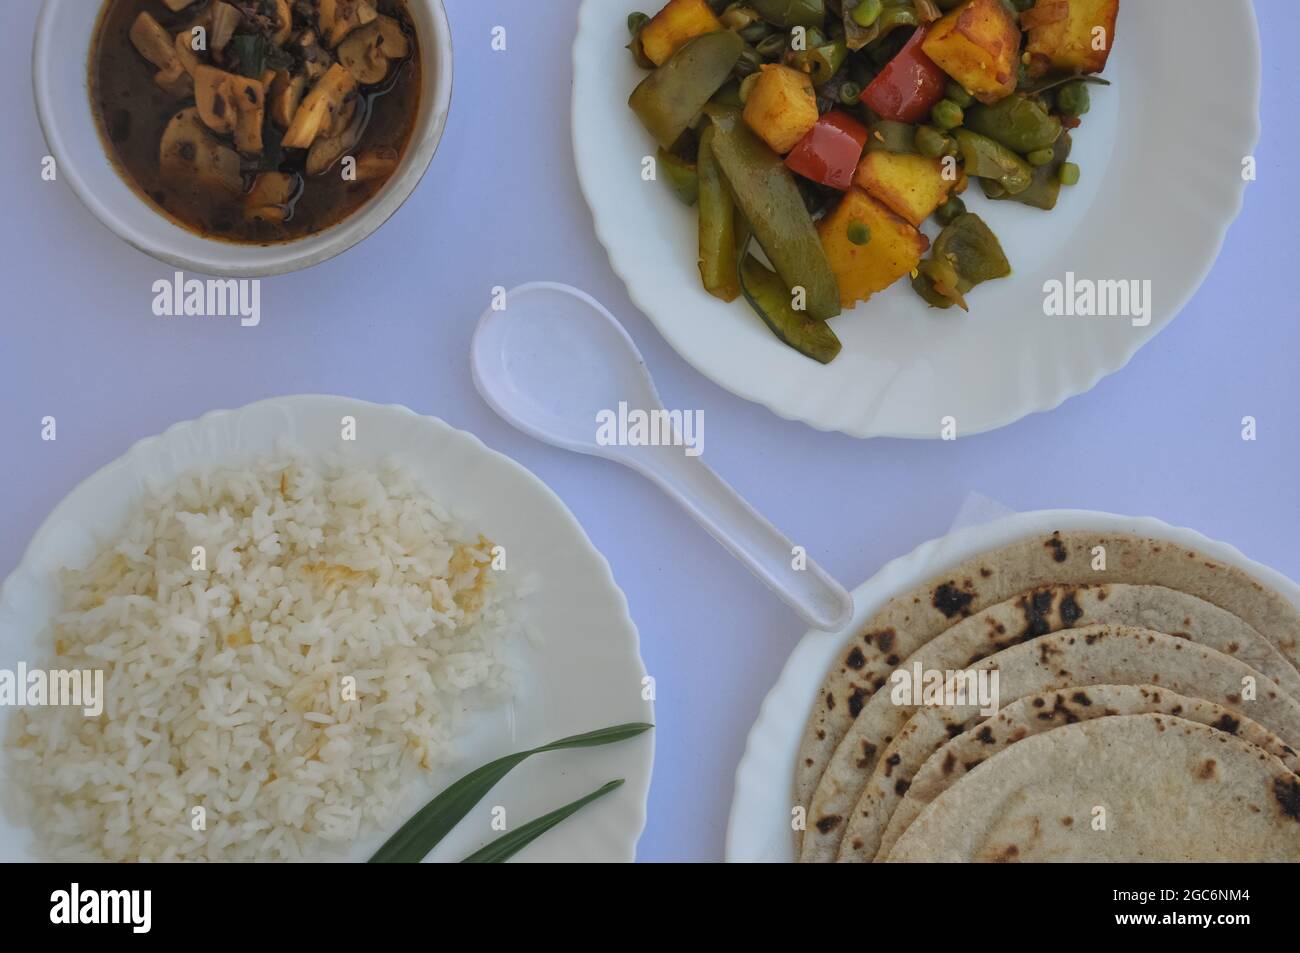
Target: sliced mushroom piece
(286, 95)
(175, 81)
(189, 153)
(215, 97)
(338, 18)
(316, 59)
(268, 200)
(185, 51)
(367, 52)
(225, 19)
(153, 42)
(318, 110)
(344, 117)
(327, 150)
(378, 163)
(250, 103)
(176, 6)
(284, 23)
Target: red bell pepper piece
(909, 86)
(830, 152)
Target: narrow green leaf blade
(426, 829)
(507, 845)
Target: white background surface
(391, 322)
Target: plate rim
(605, 229)
(913, 568)
(26, 566)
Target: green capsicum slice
(989, 159)
(669, 99)
(1017, 122)
(682, 176)
(791, 13)
(718, 264)
(965, 254)
(767, 195)
(767, 295)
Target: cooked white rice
(224, 687)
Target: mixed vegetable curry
(256, 121)
(829, 131)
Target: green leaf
(507, 845)
(435, 820)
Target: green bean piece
(1017, 122)
(1040, 157)
(867, 12)
(957, 93)
(1073, 99)
(947, 115)
(950, 210)
(1069, 174)
(859, 233)
(718, 263)
(821, 63)
(850, 94)
(1045, 189)
(988, 159)
(930, 142)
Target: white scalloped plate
(584, 673)
(1159, 191)
(759, 827)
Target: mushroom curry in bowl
(256, 121)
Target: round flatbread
(1047, 711)
(1098, 655)
(1122, 789)
(983, 635)
(1063, 559)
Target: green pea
(957, 93)
(950, 211)
(1069, 174)
(850, 93)
(947, 115)
(1073, 99)
(867, 12)
(636, 22)
(1041, 157)
(859, 234)
(930, 142)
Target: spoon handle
(821, 601)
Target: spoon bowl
(552, 361)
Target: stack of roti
(1143, 708)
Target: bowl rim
(232, 259)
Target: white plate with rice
(350, 643)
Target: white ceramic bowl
(60, 78)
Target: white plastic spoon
(553, 358)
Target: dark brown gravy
(132, 112)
